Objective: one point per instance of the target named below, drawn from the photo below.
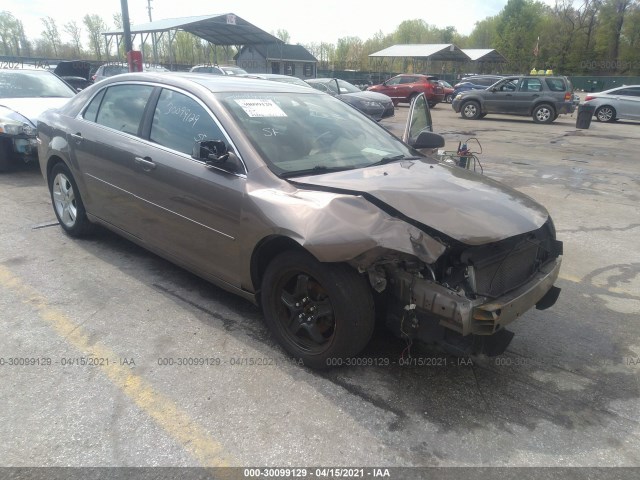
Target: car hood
(464, 206)
(32, 108)
(368, 96)
(75, 68)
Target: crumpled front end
(466, 298)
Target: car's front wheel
(66, 201)
(448, 98)
(470, 110)
(321, 313)
(544, 114)
(606, 114)
(5, 154)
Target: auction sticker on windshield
(260, 108)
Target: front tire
(66, 201)
(544, 114)
(5, 154)
(470, 110)
(320, 313)
(448, 98)
(606, 114)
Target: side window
(408, 80)
(122, 107)
(179, 121)
(531, 85)
(555, 84)
(92, 110)
(393, 81)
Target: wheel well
(546, 104)
(52, 162)
(266, 251)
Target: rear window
(556, 84)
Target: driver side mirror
(216, 154)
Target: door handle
(536, 95)
(146, 163)
(77, 137)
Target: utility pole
(153, 34)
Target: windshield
(303, 134)
(32, 84)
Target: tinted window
(531, 85)
(123, 106)
(92, 110)
(555, 84)
(408, 80)
(630, 92)
(179, 121)
(393, 81)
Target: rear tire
(544, 113)
(320, 313)
(470, 110)
(66, 201)
(606, 114)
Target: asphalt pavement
(111, 356)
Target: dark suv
(543, 98)
(404, 87)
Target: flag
(537, 49)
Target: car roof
(213, 83)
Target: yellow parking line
(570, 278)
(206, 450)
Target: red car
(403, 87)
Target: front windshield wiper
(317, 170)
(394, 158)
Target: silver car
(296, 201)
(24, 94)
(616, 103)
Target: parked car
(24, 94)
(294, 200)
(448, 90)
(109, 70)
(219, 69)
(275, 77)
(404, 87)
(76, 73)
(475, 82)
(616, 103)
(376, 105)
(543, 98)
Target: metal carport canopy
(221, 29)
(438, 52)
(484, 55)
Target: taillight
(589, 97)
(568, 96)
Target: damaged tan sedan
(300, 203)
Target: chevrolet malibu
(301, 204)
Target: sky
(307, 22)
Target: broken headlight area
(464, 300)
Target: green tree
(13, 40)
(517, 29)
(95, 27)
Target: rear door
(104, 144)
(628, 102)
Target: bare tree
(51, 34)
(75, 32)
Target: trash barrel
(585, 113)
